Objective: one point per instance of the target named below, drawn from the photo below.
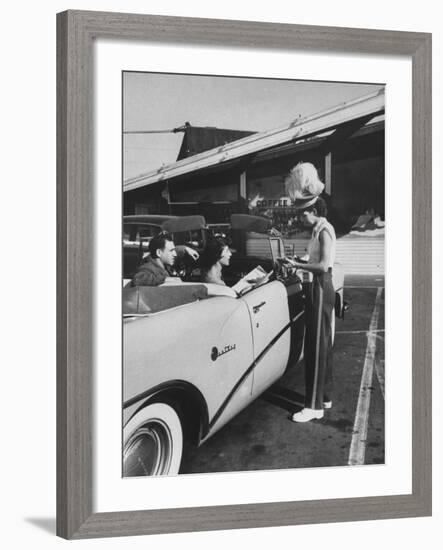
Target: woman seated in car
(214, 257)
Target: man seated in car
(155, 270)
(156, 267)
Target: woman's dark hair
(212, 252)
(319, 206)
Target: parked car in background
(138, 230)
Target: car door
(207, 344)
(268, 310)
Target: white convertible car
(192, 362)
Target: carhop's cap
(305, 202)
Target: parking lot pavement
(262, 437)
(366, 281)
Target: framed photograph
(237, 201)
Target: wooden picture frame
(76, 31)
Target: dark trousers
(319, 308)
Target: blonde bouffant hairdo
(303, 181)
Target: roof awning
(369, 105)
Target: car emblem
(215, 354)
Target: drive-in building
(219, 172)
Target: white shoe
(306, 414)
(327, 404)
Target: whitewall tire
(153, 442)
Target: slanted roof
(365, 107)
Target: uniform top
(314, 243)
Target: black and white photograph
(253, 252)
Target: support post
(243, 185)
(328, 173)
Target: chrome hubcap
(148, 451)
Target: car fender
(206, 343)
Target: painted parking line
(358, 443)
(358, 331)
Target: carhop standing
(304, 188)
